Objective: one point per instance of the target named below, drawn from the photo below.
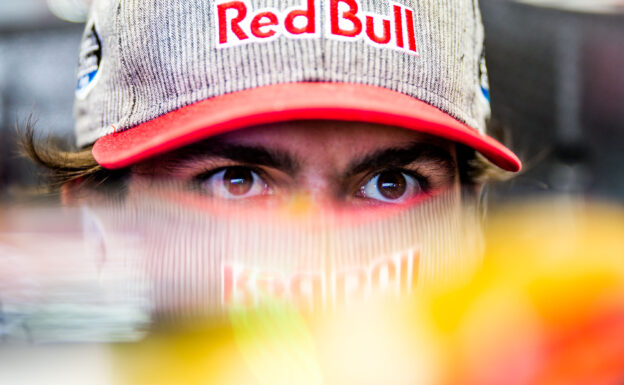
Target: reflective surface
(546, 305)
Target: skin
(336, 163)
(332, 165)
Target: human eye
(392, 186)
(235, 182)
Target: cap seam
(469, 122)
(126, 70)
(476, 52)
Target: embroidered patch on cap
(89, 61)
(484, 79)
(345, 20)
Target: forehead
(316, 146)
(330, 137)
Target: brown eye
(235, 183)
(238, 180)
(391, 186)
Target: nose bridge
(316, 186)
(318, 180)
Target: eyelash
(207, 174)
(423, 180)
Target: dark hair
(64, 166)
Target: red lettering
(236, 286)
(305, 289)
(270, 286)
(350, 15)
(228, 284)
(409, 279)
(257, 24)
(310, 16)
(344, 21)
(386, 269)
(351, 285)
(223, 24)
(370, 31)
(398, 25)
(411, 39)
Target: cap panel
(480, 101)
(169, 58)
(107, 100)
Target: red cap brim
(286, 102)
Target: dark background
(556, 77)
(557, 82)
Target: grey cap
(157, 75)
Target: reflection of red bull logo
(395, 275)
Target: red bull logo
(250, 286)
(237, 24)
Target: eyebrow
(399, 157)
(252, 155)
(282, 160)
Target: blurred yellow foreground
(546, 308)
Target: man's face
(337, 163)
(317, 255)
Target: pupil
(392, 184)
(238, 180)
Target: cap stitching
(126, 69)
(469, 121)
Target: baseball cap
(160, 74)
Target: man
(254, 105)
